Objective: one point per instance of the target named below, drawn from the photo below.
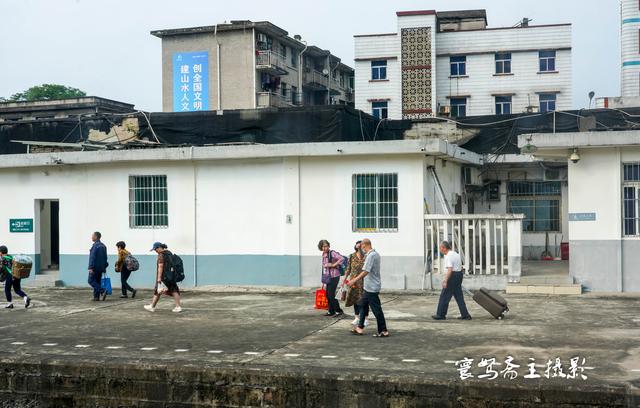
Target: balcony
(276, 100)
(271, 63)
(488, 244)
(315, 80)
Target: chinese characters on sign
(190, 81)
(491, 369)
(21, 225)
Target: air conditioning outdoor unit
(445, 110)
(552, 175)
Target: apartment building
(247, 65)
(452, 64)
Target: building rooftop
(462, 14)
(67, 103)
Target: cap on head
(157, 245)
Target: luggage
(21, 267)
(491, 302)
(322, 303)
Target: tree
(46, 92)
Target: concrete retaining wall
(61, 384)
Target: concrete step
(560, 279)
(46, 279)
(544, 289)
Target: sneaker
(149, 308)
(124, 297)
(464, 318)
(356, 321)
(27, 302)
(9, 306)
(177, 309)
(366, 322)
(436, 317)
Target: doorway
(47, 225)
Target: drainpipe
(300, 70)
(195, 220)
(219, 78)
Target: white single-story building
(237, 215)
(603, 204)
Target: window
(547, 102)
(283, 50)
(283, 90)
(375, 203)
(294, 58)
(380, 110)
(458, 66)
(503, 105)
(458, 107)
(378, 70)
(503, 63)
(539, 201)
(295, 99)
(547, 61)
(631, 200)
(148, 202)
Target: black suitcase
(491, 302)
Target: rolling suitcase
(491, 302)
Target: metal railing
(271, 99)
(316, 78)
(270, 59)
(489, 244)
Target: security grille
(631, 200)
(148, 202)
(539, 201)
(375, 202)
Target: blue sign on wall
(190, 81)
(582, 216)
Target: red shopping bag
(321, 299)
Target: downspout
(195, 220)
(255, 79)
(301, 70)
(218, 69)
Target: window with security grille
(539, 201)
(631, 200)
(148, 202)
(375, 202)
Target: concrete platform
(273, 349)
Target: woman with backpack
(163, 286)
(332, 263)
(122, 268)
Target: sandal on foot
(381, 335)
(356, 333)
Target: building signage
(21, 225)
(582, 216)
(190, 81)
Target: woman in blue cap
(162, 286)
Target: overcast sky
(104, 47)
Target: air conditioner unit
(445, 110)
(470, 176)
(552, 175)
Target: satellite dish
(529, 149)
(591, 95)
(325, 72)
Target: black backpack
(174, 269)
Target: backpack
(6, 262)
(131, 263)
(343, 265)
(175, 271)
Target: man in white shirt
(451, 284)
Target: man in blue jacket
(97, 266)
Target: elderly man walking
(371, 296)
(451, 284)
(97, 266)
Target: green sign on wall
(21, 225)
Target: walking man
(451, 284)
(6, 262)
(371, 296)
(97, 266)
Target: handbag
(321, 299)
(105, 284)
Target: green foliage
(46, 92)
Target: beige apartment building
(247, 65)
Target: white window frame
(379, 69)
(156, 188)
(501, 62)
(383, 111)
(544, 100)
(503, 104)
(535, 198)
(633, 185)
(457, 107)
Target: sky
(104, 47)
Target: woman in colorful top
(331, 276)
(354, 293)
(121, 267)
(10, 282)
(170, 289)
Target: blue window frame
(458, 107)
(547, 61)
(547, 102)
(503, 105)
(380, 110)
(458, 65)
(378, 70)
(503, 63)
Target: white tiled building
(451, 63)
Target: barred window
(631, 200)
(539, 201)
(148, 202)
(375, 203)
